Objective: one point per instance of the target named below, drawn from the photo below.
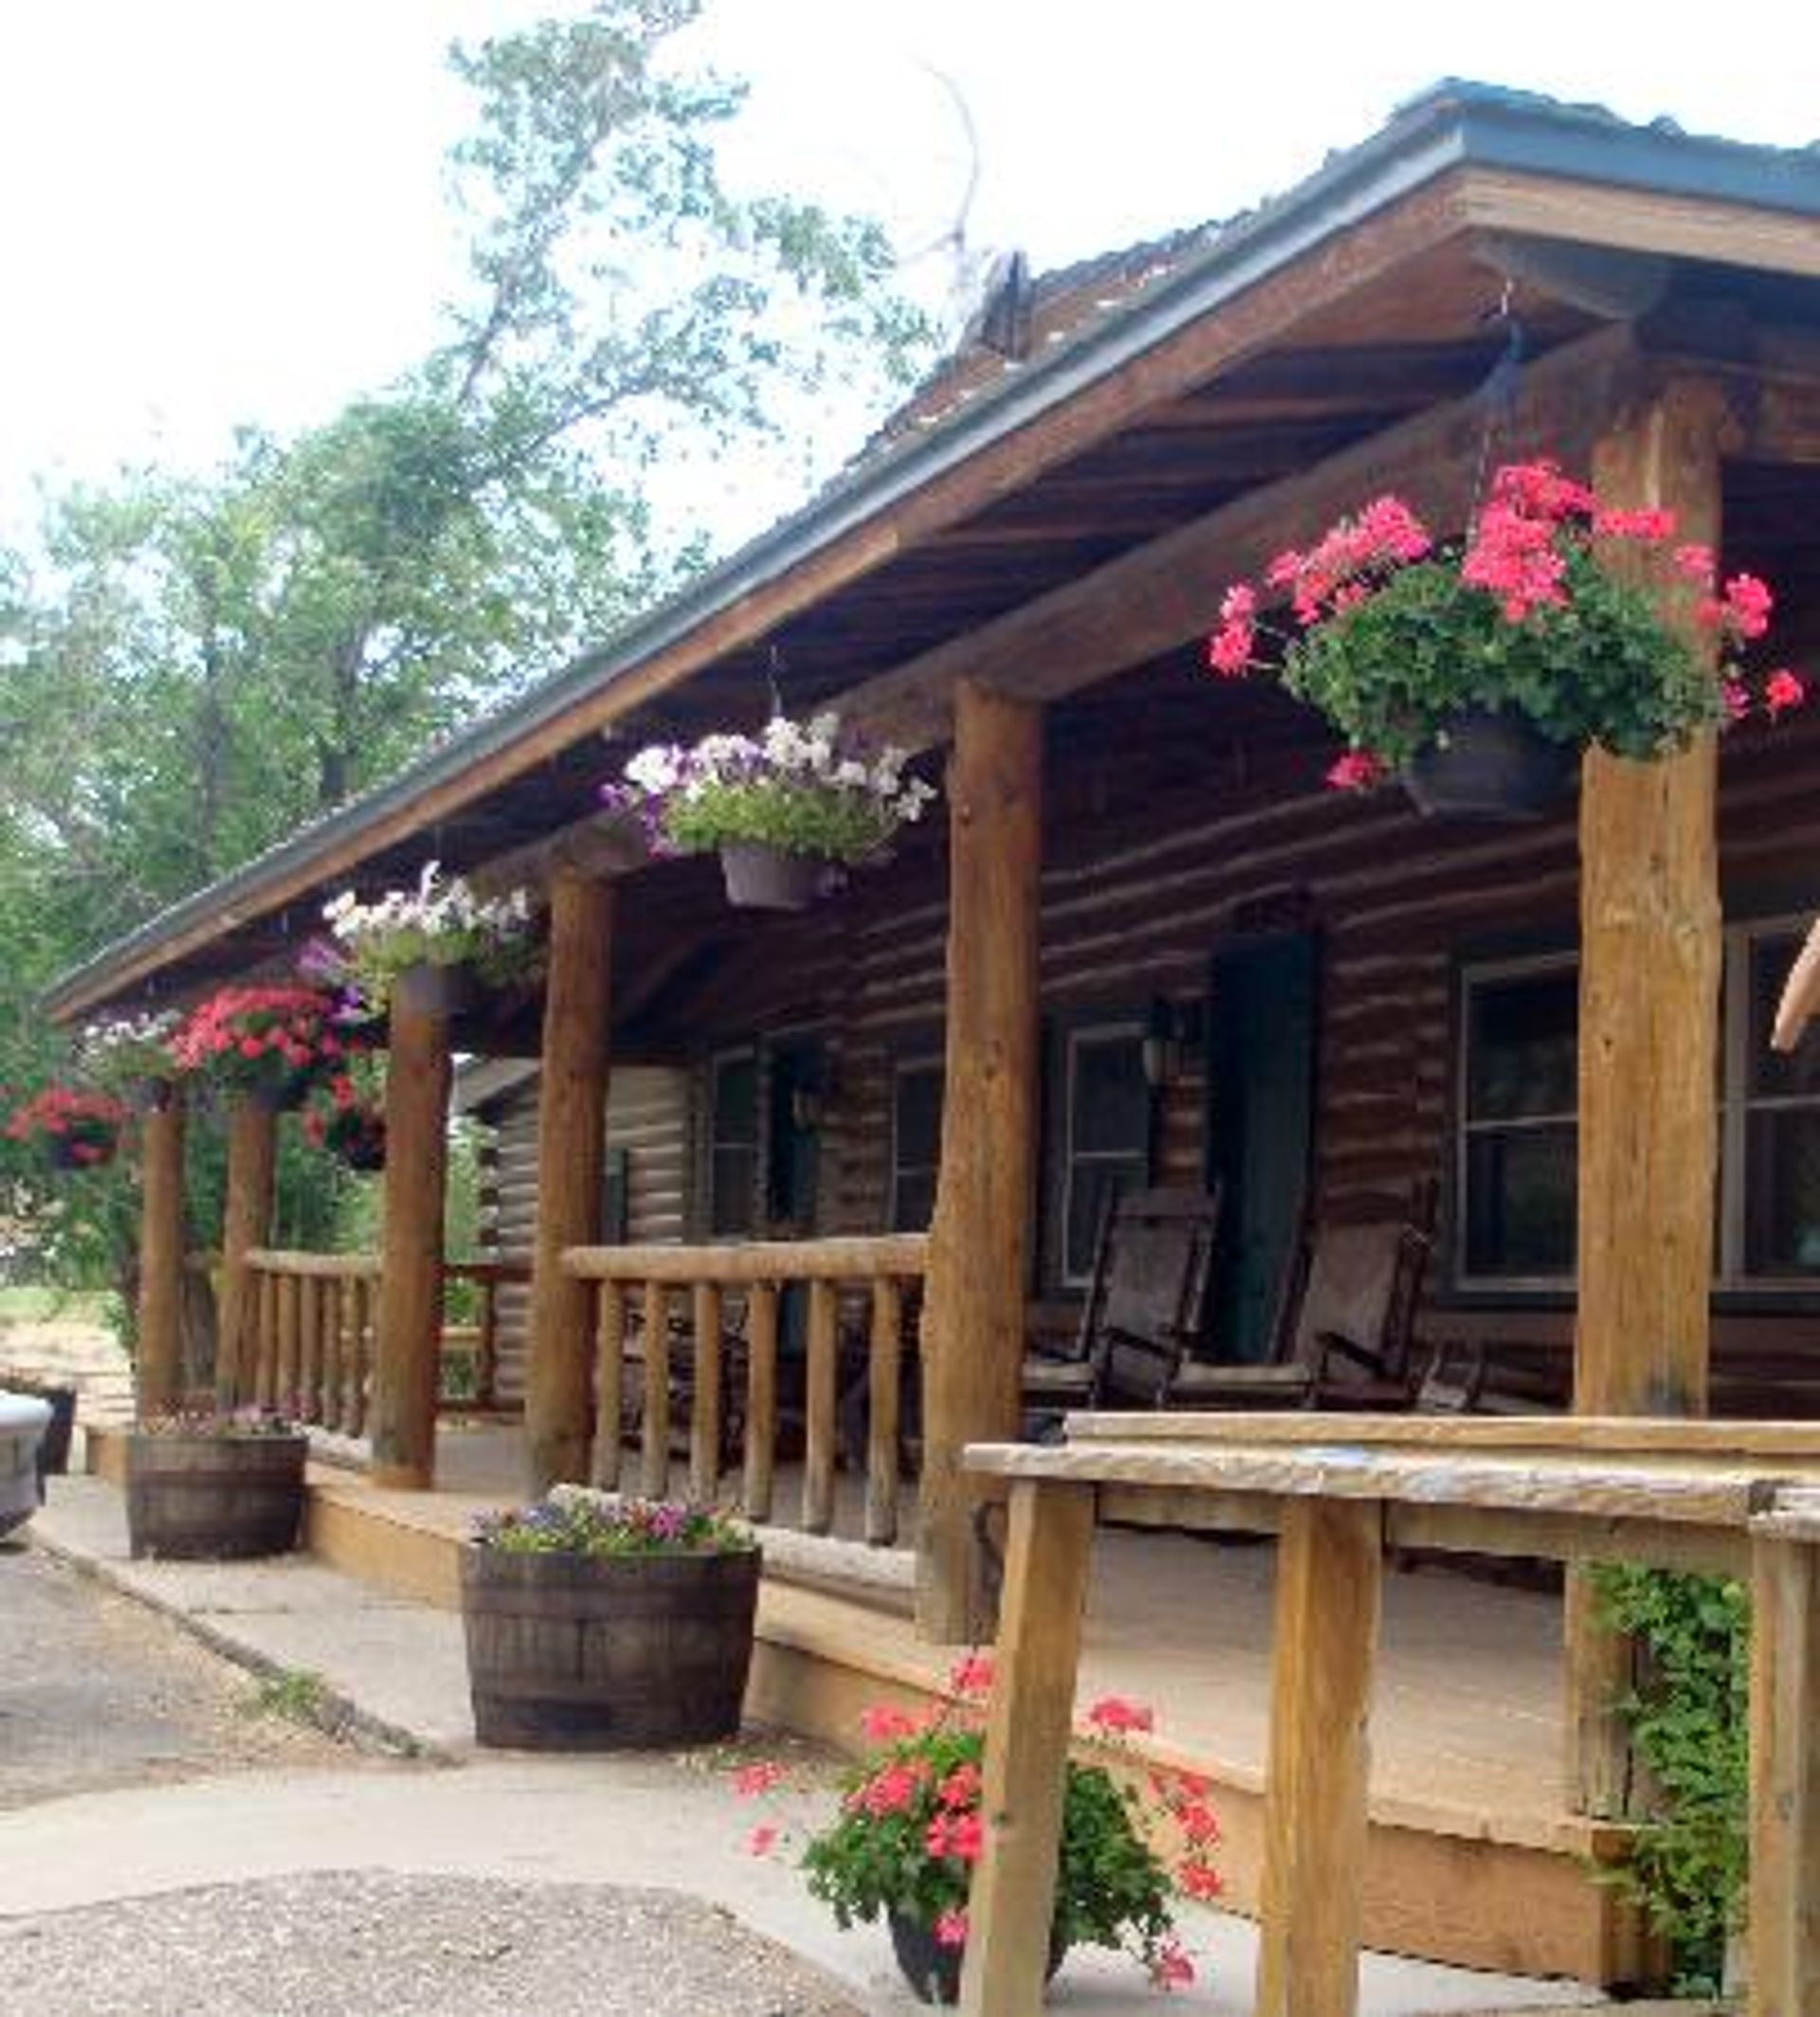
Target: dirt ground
(95, 1693)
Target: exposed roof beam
(1159, 596)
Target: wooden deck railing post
(706, 1399)
(973, 1312)
(160, 1358)
(1784, 1914)
(654, 1474)
(410, 1280)
(761, 1399)
(883, 1374)
(609, 1386)
(1648, 1050)
(1026, 1739)
(822, 1374)
(571, 1151)
(246, 1223)
(1328, 1570)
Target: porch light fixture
(1168, 1030)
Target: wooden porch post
(410, 1276)
(1648, 1050)
(247, 1221)
(571, 1123)
(974, 1317)
(162, 1244)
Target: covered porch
(1146, 947)
(1474, 1856)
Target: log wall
(1141, 888)
(647, 1118)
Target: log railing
(488, 1276)
(312, 1321)
(1737, 1498)
(696, 1329)
(311, 1354)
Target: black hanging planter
(1488, 764)
(762, 878)
(437, 988)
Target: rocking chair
(1345, 1336)
(1146, 1303)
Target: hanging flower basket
(436, 949)
(271, 1043)
(345, 1115)
(65, 1153)
(766, 879)
(130, 1056)
(1527, 621)
(1491, 764)
(71, 1127)
(786, 810)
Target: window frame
(712, 1143)
(1089, 1030)
(1470, 976)
(914, 1065)
(1736, 1105)
(1739, 940)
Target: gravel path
(95, 1692)
(346, 1943)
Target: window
(916, 1142)
(733, 1144)
(1517, 1138)
(1770, 1192)
(1105, 1136)
(1519, 1123)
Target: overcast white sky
(214, 211)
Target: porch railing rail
(722, 1362)
(314, 1318)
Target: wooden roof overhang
(1081, 516)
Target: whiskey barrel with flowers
(598, 1624)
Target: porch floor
(1473, 1855)
(1468, 1730)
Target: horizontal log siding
(647, 1116)
(1398, 899)
(1134, 905)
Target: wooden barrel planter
(213, 1499)
(575, 1652)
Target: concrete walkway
(397, 1672)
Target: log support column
(1648, 1049)
(246, 1223)
(161, 1244)
(973, 1344)
(571, 1136)
(410, 1280)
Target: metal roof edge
(1454, 125)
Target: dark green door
(1261, 1085)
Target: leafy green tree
(192, 666)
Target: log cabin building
(1140, 942)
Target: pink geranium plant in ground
(910, 1829)
(1392, 637)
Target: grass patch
(295, 1693)
(47, 1305)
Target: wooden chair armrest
(1336, 1344)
